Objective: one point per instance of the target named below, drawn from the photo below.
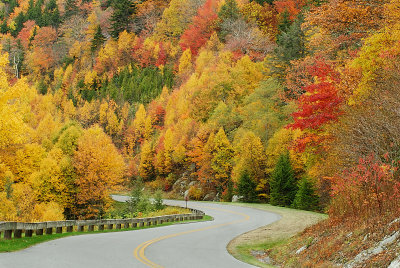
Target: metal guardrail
(18, 228)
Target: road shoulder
(249, 247)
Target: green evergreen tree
(19, 24)
(42, 87)
(283, 186)
(262, 2)
(246, 188)
(51, 15)
(4, 28)
(35, 12)
(284, 22)
(70, 8)
(11, 5)
(306, 198)
(229, 12)
(98, 39)
(291, 43)
(30, 11)
(290, 46)
(122, 16)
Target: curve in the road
(139, 252)
(194, 245)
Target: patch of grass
(25, 242)
(244, 251)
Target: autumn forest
(289, 102)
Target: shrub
(370, 189)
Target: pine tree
(262, 2)
(291, 43)
(306, 198)
(30, 11)
(71, 8)
(51, 15)
(283, 185)
(246, 188)
(290, 46)
(121, 18)
(228, 13)
(98, 39)
(35, 12)
(19, 23)
(229, 10)
(284, 22)
(4, 27)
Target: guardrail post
(8, 234)
(81, 228)
(59, 230)
(49, 230)
(110, 226)
(126, 225)
(70, 229)
(91, 228)
(17, 233)
(118, 226)
(39, 231)
(28, 233)
(101, 227)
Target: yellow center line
(140, 250)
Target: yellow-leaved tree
(14, 108)
(100, 169)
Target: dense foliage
(216, 97)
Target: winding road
(201, 244)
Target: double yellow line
(139, 251)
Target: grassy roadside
(249, 247)
(25, 242)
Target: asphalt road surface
(187, 245)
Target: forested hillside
(291, 102)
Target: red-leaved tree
(319, 105)
(201, 28)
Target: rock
(261, 256)
(349, 234)
(235, 198)
(373, 251)
(209, 196)
(395, 263)
(300, 250)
